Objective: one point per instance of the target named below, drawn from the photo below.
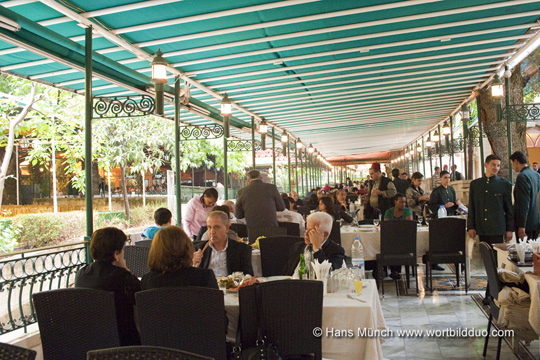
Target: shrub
(39, 229)
(8, 238)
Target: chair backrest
(299, 305)
(335, 234)
(143, 353)
(185, 318)
(293, 229)
(137, 259)
(12, 352)
(447, 235)
(240, 229)
(74, 321)
(398, 237)
(202, 230)
(306, 209)
(247, 320)
(275, 253)
(490, 263)
(145, 243)
(256, 231)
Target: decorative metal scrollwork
(205, 132)
(123, 106)
(243, 145)
(522, 112)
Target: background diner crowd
(206, 247)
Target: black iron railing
(26, 272)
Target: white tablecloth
(371, 241)
(339, 313)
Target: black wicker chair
(12, 352)
(185, 318)
(202, 230)
(137, 259)
(145, 243)
(275, 253)
(256, 231)
(335, 234)
(398, 247)
(293, 229)
(299, 305)
(240, 229)
(447, 244)
(247, 320)
(142, 353)
(74, 321)
(495, 286)
(306, 209)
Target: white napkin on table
(321, 271)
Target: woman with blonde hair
(171, 262)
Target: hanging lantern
(159, 78)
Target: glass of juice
(358, 281)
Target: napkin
(321, 271)
(520, 249)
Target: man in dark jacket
(444, 195)
(491, 215)
(318, 227)
(380, 193)
(258, 202)
(400, 184)
(525, 197)
(223, 256)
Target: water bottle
(357, 255)
(442, 212)
(360, 213)
(351, 208)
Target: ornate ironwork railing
(123, 106)
(205, 132)
(31, 271)
(522, 112)
(243, 145)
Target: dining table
(360, 317)
(503, 261)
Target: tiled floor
(439, 311)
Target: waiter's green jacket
(441, 196)
(526, 199)
(490, 206)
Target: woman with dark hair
(313, 200)
(171, 262)
(399, 211)
(327, 205)
(416, 199)
(109, 272)
(196, 211)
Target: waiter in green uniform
(525, 197)
(491, 215)
(444, 195)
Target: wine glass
(376, 221)
(420, 220)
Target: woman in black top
(171, 262)
(109, 272)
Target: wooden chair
(74, 321)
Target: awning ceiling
(351, 77)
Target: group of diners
(174, 261)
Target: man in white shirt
(291, 216)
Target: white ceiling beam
(361, 95)
(354, 59)
(213, 15)
(295, 20)
(376, 78)
(366, 24)
(377, 70)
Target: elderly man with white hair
(319, 226)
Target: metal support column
(452, 147)
(253, 140)
(225, 168)
(177, 150)
(423, 158)
(88, 103)
(480, 134)
(274, 154)
(440, 147)
(288, 144)
(296, 167)
(302, 172)
(508, 123)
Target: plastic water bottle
(357, 255)
(351, 208)
(442, 212)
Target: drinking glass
(358, 281)
(245, 240)
(420, 220)
(376, 222)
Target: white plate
(366, 226)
